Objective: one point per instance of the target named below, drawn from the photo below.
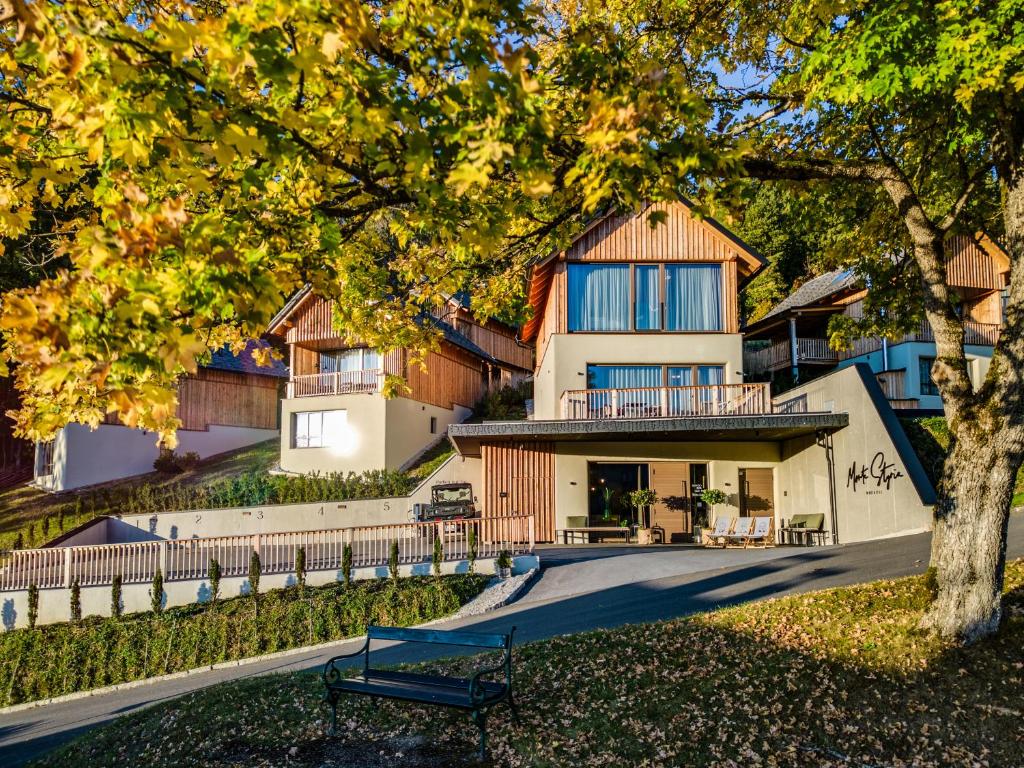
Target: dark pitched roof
(225, 360)
(815, 290)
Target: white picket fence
(189, 559)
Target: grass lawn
(834, 678)
(23, 509)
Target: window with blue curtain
(345, 360)
(623, 376)
(598, 297)
(693, 297)
(648, 297)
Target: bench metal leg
(332, 699)
(480, 718)
(515, 710)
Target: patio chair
(740, 532)
(716, 537)
(760, 534)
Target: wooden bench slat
(444, 637)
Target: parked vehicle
(448, 502)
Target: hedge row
(63, 658)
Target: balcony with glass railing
(666, 402)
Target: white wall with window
(319, 429)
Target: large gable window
(693, 297)
(599, 297)
(645, 297)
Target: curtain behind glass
(648, 299)
(693, 297)
(623, 376)
(598, 297)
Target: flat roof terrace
(764, 427)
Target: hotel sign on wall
(873, 478)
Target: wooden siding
(969, 266)
(228, 399)
(312, 320)
(757, 492)
(671, 480)
(452, 377)
(681, 237)
(525, 473)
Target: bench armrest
(476, 690)
(331, 672)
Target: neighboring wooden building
(335, 417)
(793, 336)
(228, 403)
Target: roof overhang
(468, 438)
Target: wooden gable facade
(630, 238)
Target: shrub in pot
(504, 564)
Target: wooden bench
(586, 530)
(474, 694)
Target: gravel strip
(496, 594)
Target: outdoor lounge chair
(740, 531)
(805, 529)
(716, 537)
(760, 532)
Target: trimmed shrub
(471, 548)
(437, 556)
(300, 567)
(33, 605)
(393, 560)
(76, 601)
(346, 564)
(156, 593)
(116, 603)
(255, 569)
(213, 574)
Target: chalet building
(639, 382)
(229, 403)
(793, 337)
(335, 417)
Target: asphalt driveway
(579, 589)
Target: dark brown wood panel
(757, 492)
(671, 481)
(519, 479)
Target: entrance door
(671, 481)
(757, 493)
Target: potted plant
(504, 564)
(642, 500)
(711, 497)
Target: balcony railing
(981, 334)
(667, 402)
(777, 356)
(336, 383)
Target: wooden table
(601, 530)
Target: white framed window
(44, 457)
(348, 360)
(318, 429)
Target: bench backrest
(439, 636)
(812, 522)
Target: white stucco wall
(381, 433)
(84, 456)
(884, 503)
(564, 365)
(907, 356)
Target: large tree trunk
(969, 552)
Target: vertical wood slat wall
(452, 377)
(227, 398)
(525, 472)
(968, 266)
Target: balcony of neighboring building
(336, 372)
